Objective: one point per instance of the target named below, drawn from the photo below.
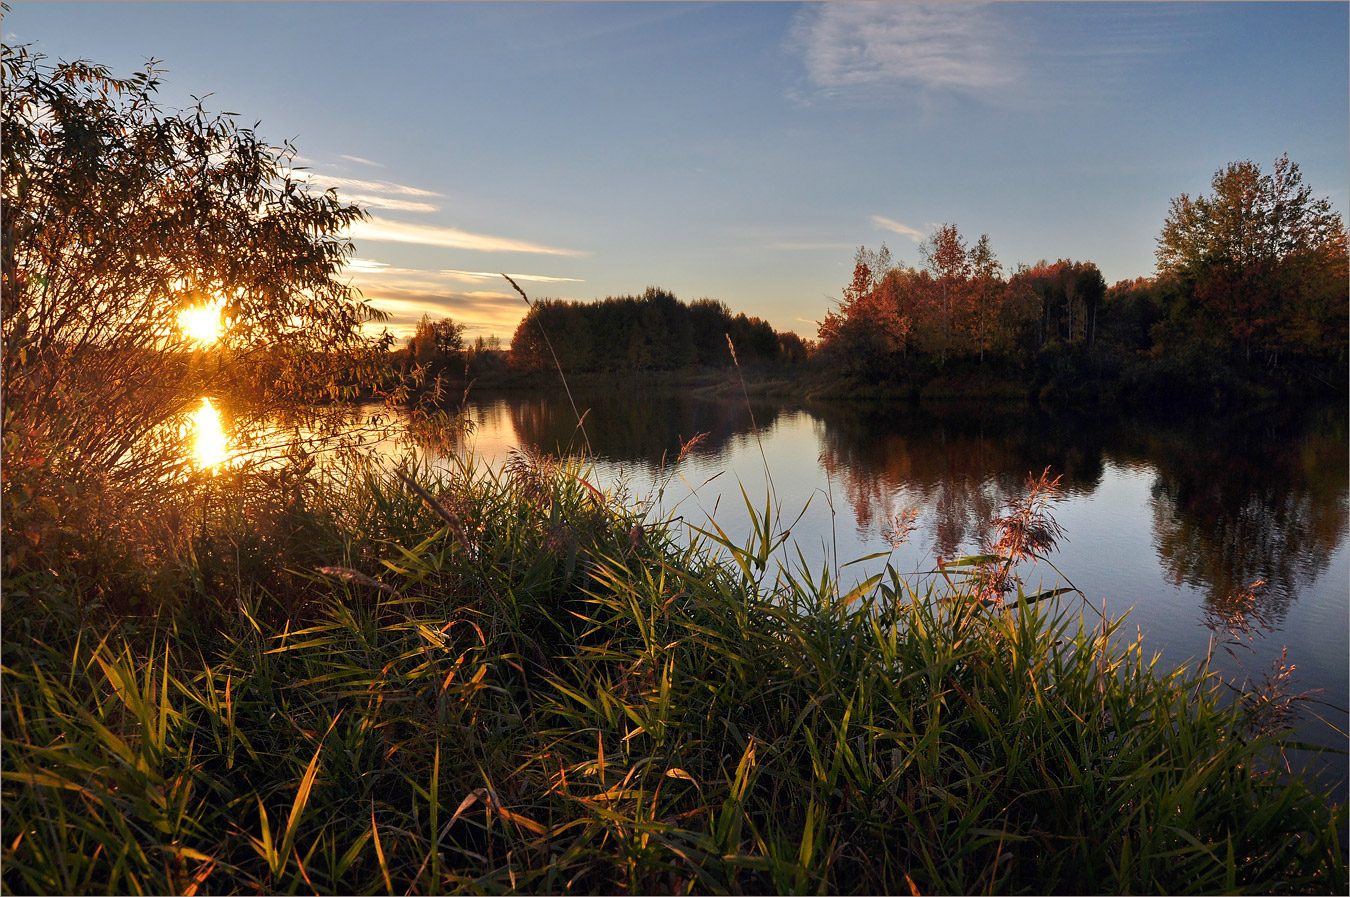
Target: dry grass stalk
(581, 421)
(1028, 531)
(1239, 617)
(896, 531)
(346, 574)
(439, 509)
(687, 448)
(1272, 707)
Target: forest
(1248, 301)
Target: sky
(737, 151)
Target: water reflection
(632, 428)
(210, 444)
(1259, 499)
(961, 463)
(1232, 502)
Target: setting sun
(201, 323)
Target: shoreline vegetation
(339, 678)
(1148, 386)
(482, 681)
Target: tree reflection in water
(1258, 499)
(627, 427)
(960, 464)
(1233, 501)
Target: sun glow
(210, 444)
(201, 323)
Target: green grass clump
(512, 682)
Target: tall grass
(512, 682)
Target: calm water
(1164, 518)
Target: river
(1166, 518)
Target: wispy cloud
(939, 45)
(485, 275)
(408, 293)
(366, 266)
(325, 181)
(482, 312)
(370, 201)
(374, 194)
(373, 267)
(382, 229)
(896, 227)
(360, 161)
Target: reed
(511, 681)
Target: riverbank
(1065, 379)
(474, 682)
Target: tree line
(1251, 282)
(651, 332)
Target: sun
(201, 323)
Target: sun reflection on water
(210, 444)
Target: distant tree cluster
(959, 305)
(1248, 278)
(437, 357)
(651, 332)
(1260, 267)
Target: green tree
(118, 215)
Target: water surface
(1168, 519)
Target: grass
(514, 681)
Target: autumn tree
(1263, 262)
(947, 260)
(434, 341)
(891, 314)
(869, 329)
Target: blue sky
(739, 151)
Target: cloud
(482, 312)
(896, 227)
(369, 201)
(367, 266)
(359, 160)
(484, 275)
(382, 229)
(370, 266)
(386, 187)
(408, 293)
(939, 45)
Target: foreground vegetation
(486, 683)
